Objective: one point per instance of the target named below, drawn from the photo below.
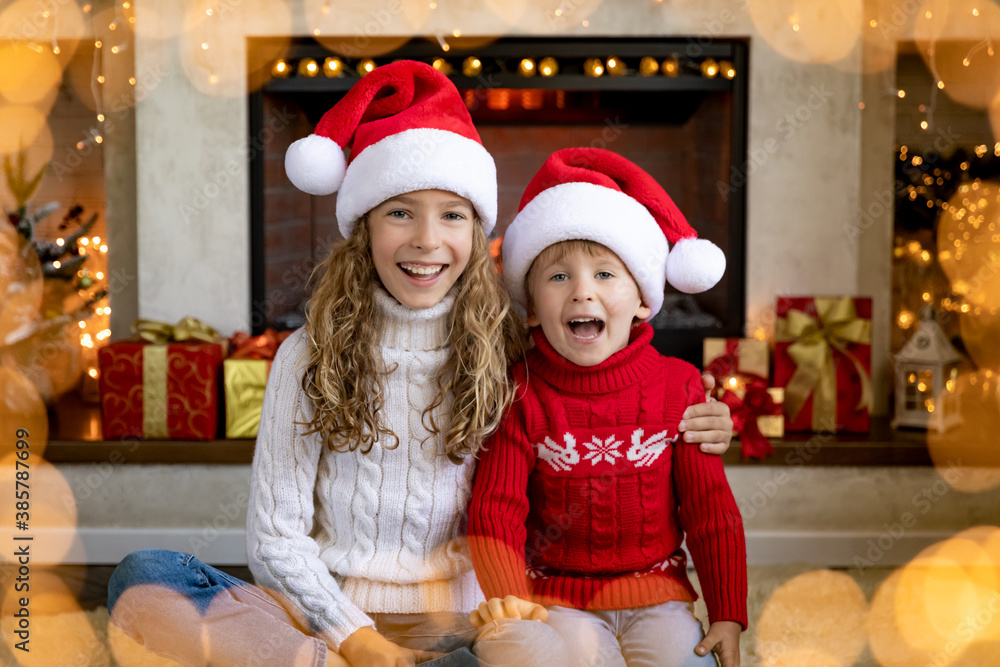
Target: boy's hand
(508, 607)
(724, 638)
(708, 423)
(366, 647)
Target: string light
(671, 66)
(472, 66)
(593, 67)
(281, 70)
(443, 66)
(709, 68)
(333, 67)
(366, 66)
(308, 68)
(727, 70)
(527, 67)
(615, 66)
(548, 67)
(648, 66)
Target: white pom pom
(695, 265)
(315, 165)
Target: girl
(373, 414)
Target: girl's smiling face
(421, 243)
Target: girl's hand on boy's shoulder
(724, 638)
(508, 607)
(708, 423)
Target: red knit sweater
(584, 494)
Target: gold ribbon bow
(187, 329)
(813, 341)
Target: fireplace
(677, 108)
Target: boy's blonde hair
(345, 369)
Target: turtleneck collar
(622, 369)
(407, 329)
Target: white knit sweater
(341, 534)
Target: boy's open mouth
(422, 271)
(586, 327)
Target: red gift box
(746, 359)
(822, 357)
(157, 391)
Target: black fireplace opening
(677, 108)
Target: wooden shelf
(882, 446)
(75, 437)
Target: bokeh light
(50, 359)
(133, 609)
(21, 285)
(544, 16)
(23, 20)
(807, 31)
(956, 39)
(22, 410)
(379, 27)
(966, 455)
(211, 44)
(820, 612)
(943, 607)
(969, 242)
(21, 127)
(52, 521)
(27, 75)
(60, 632)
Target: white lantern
(927, 378)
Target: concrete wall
(820, 515)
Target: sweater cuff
(354, 620)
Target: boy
(581, 501)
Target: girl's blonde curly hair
(344, 368)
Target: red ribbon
(264, 346)
(755, 403)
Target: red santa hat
(596, 195)
(407, 129)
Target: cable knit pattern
(343, 534)
(586, 487)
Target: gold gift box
(245, 381)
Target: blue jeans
(180, 608)
(663, 635)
